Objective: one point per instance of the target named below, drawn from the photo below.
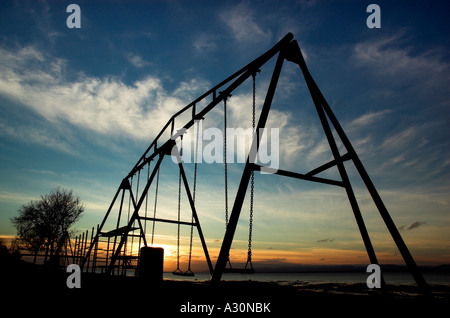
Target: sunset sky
(78, 107)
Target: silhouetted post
(151, 264)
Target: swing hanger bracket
(255, 71)
(180, 132)
(197, 117)
(167, 148)
(225, 95)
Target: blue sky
(78, 107)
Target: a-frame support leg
(194, 213)
(345, 179)
(296, 57)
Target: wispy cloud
(415, 225)
(413, 84)
(411, 226)
(137, 60)
(41, 17)
(243, 24)
(407, 146)
(326, 240)
(402, 138)
(109, 107)
(14, 196)
(368, 118)
(309, 3)
(204, 43)
(49, 136)
(386, 56)
(106, 106)
(43, 172)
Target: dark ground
(35, 289)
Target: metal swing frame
(290, 51)
(287, 49)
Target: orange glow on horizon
(261, 258)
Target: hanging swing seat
(178, 272)
(248, 269)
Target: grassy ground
(34, 289)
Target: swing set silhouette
(132, 196)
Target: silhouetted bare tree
(43, 225)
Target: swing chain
(252, 181)
(225, 158)
(193, 199)
(250, 230)
(179, 209)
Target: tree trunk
(46, 252)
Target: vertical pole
(71, 250)
(79, 248)
(66, 259)
(82, 246)
(74, 252)
(107, 254)
(240, 196)
(90, 244)
(94, 261)
(85, 246)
